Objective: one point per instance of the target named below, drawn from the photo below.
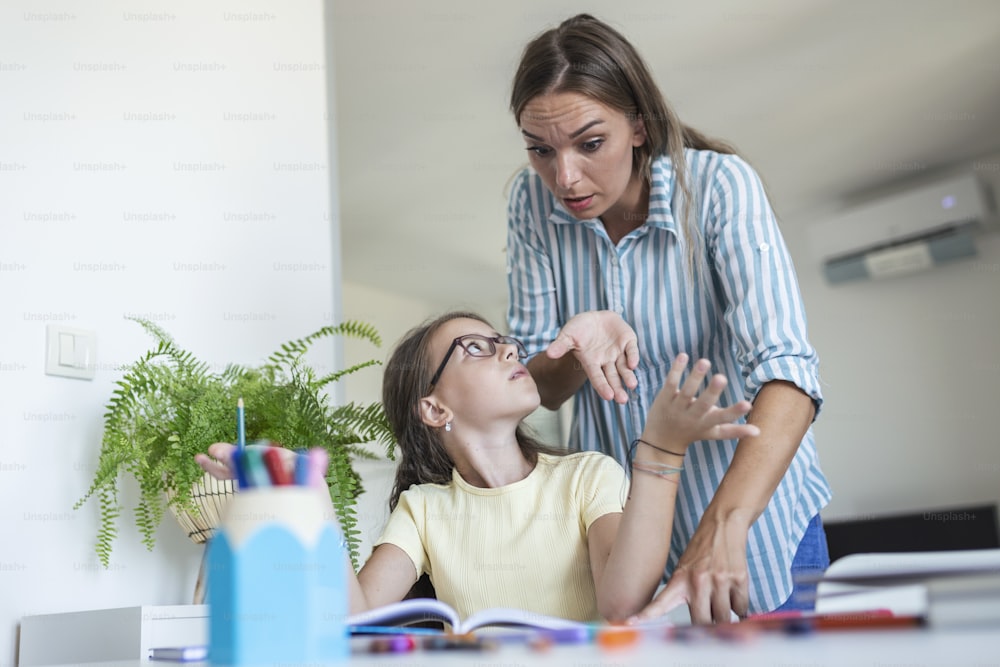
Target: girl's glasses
(478, 345)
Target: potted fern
(168, 406)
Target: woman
(496, 519)
(632, 238)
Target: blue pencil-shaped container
(276, 584)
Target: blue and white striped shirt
(743, 312)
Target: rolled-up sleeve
(763, 304)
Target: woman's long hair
(422, 457)
(584, 55)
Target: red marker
(859, 620)
(280, 476)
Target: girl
(496, 519)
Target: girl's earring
(447, 426)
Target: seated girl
(496, 519)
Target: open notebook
(419, 610)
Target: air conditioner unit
(905, 232)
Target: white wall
(392, 316)
(162, 159)
(911, 375)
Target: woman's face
(582, 149)
(481, 388)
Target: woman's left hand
(711, 576)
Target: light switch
(71, 352)
(67, 350)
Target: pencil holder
(276, 581)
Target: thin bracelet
(660, 449)
(666, 474)
(656, 465)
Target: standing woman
(633, 238)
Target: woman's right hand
(606, 348)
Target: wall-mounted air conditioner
(905, 232)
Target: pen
(614, 636)
(579, 635)
(241, 429)
(392, 630)
(861, 620)
(179, 653)
(393, 644)
(458, 642)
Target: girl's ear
(433, 413)
(638, 132)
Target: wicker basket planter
(210, 497)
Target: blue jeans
(812, 558)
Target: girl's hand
(219, 461)
(606, 348)
(680, 415)
(220, 464)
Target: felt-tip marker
(279, 474)
(240, 468)
(254, 468)
(319, 461)
(301, 468)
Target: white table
(877, 648)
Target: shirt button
(764, 247)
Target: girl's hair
(422, 457)
(584, 55)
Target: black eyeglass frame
(522, 352)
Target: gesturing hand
(606, 348)
(680, 415)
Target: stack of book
(945, 588)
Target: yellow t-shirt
(523, 545)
